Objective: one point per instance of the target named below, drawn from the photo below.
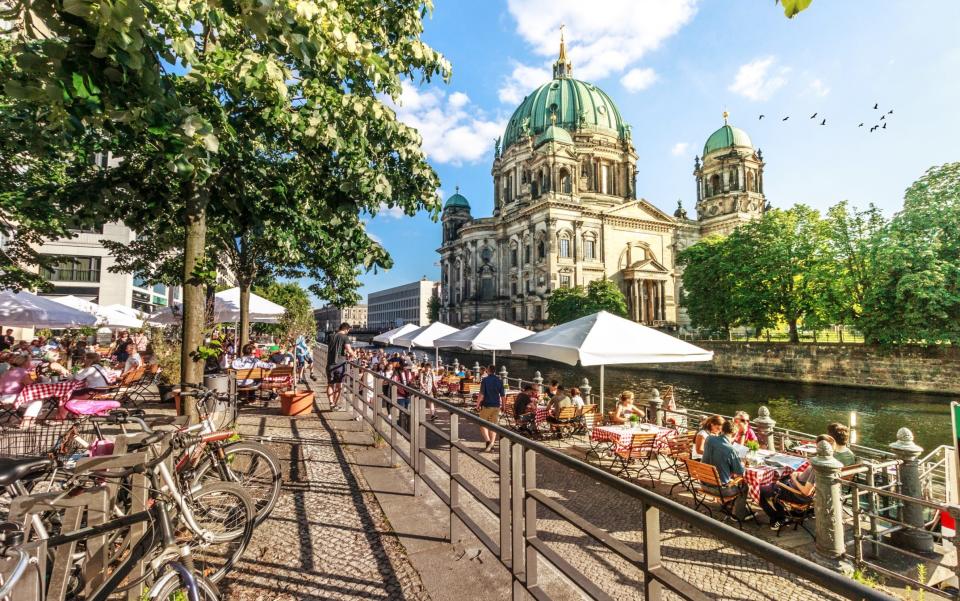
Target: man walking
(489, 403)
(338, 352)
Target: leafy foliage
(567, 304)
(433, 309)
(298, 319)
(710, 291)
(792, 7)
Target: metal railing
(397, 414)
(935, 474)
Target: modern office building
(403, 304)
(330, 317)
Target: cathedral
(567, 212)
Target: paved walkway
(327, 537)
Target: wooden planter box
(296, 403)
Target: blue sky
(672, 67)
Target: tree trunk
(194, 292)
(794, 334)
(244, 334)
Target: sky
(672, 67)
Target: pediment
(640, 209)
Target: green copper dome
(554, 134)
(576, 104)
(457, 201)
(726, 137)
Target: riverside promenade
(348, 526)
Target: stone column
(908, 452)
(456, 365)
(585, 389)
(763, 425)
(828, 507)
(537, 378)
(663, 300)
(636, 300)
(654, 403)
(477, 369)
(643, 301)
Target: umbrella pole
(436, 357)
(494, 356)
(601, 391)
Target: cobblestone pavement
(327, 537)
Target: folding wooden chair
(705, 485)
(796, 513)
(254, 378)
(637, 456)
(676, 450)
(565, 422)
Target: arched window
(751, 182)
(714, 187)
(589, 247)
(541, 250)
(734, 180)
(564, 247)
(534, 190)
(514, 255)
(545, 180)
(566, 183)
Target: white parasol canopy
(424, 337)
(389, 336)
(226, 309)
(25, 310)
(111, 316)
(606, 339)
(491, 335)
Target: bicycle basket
(58, 438)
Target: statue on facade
(496, 148)
(525, 126)
(696, 162)
(680, 213)
(582, 119)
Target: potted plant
(167, 352)
(634, 420)
(752, 447)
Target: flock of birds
(881, 123)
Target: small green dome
(555, 134)
(576, 104)
(727, 137)
(457, 201)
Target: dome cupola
(457, 201)
(727, 136)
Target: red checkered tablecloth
(761, 475)
(622, 437)
(542, 412)
(38, 392)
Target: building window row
(73, 269)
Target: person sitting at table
(793, 488)
(525, 409)
(576, 398)
(54, 367)
(96, 375)
(248, 361)
(841, 434)
(14, 380)
(558, 401)
(719, 452)
(624, 409)
(708, 427)
(742, 432)
(134, 361)
(36, 348)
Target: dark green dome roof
(726, 137)
(457, 201)
(554, 134)
(577, 105)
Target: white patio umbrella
(606, 339)
(389, 336)
(75, 302)
(491, 335)
(118, 316)
(25, 310)
(424, 337)
(226, 309)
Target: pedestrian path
(327, 537)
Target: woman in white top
(708, 427)
(576, 398)
(134, 361)
(96, 375)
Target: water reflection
(803, 407)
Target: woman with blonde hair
(624, 409)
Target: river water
(803, 407)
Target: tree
(781, 266)
(567, 304)
(710, 290)
(915, 291)
(298, 319)
(167, 86)
(433, 308)
(853, 238)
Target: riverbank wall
(908, 368)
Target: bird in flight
(884, 126)
(882, 117)
(760, 117)
(813, 116)
(890, 112)
(875, 106)
(861, 125)
(785, 118)
(873, 128)
(824, 122)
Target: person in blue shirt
(488, 405)
(719, 452)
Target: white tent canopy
(25, 310)
(226, 309)
(424, 337)
(491, 335)
(112, 316)
(606, 339)
(389, 336)
(75, 302)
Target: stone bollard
(828, 507)
(503, 377)
(476, 369)
(908, 452)
(654, 403)
(585, 388)
(456, 365)
(763, 425)
(537, 379)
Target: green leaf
(792, 7)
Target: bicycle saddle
(13, 469)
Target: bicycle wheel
(174, 589)
(225, 510)
(251, 465)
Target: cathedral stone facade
(567, 212)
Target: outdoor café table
(620, 437)
(761, 475)
(541, 413)
(39, 392)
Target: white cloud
(454, 130)
(390, 212)
(521, 81)
(759, 79)
(601, 40)
(679, 149)
(819, 88)
(636, 80)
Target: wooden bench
(279, 378)
(254, 378)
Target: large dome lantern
(566, 103)
(727, 136)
